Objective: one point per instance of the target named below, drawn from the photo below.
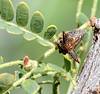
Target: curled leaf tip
(51, 31)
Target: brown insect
(67, 42)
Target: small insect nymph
(95, 23)
(67, 42)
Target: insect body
(67, 42)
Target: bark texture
(89, 80)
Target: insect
(95, 23)
(96, 29)
(68, 41)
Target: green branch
(46, 82)
(20, 81)
(79, 8)
(13, 63)
(46, 54)
(15, 29)
(9, 64)
(56, 84)
(85, 25)
(94, 8)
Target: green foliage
(67, 64)
(10, 27)
(44, 42)
(30, 86)
(16, 30)
(37, 22)
(6, 80)
(22, 14)
(1, 60)
(29, 36)
(13, 29)
(29, 79)
(7, 12)
(51, 31)
(82, 18)
(0, 6)
(2, 24)
(86, 44)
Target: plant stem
(20, 80)
(56, 84)
(9, 64)
(25, 31)
(46, 82)
(12, 63)
(40, 90)
(94, 8)
(46, 54)
(85, 25)
(79, 8)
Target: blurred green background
(58, 12)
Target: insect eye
(60, 41)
